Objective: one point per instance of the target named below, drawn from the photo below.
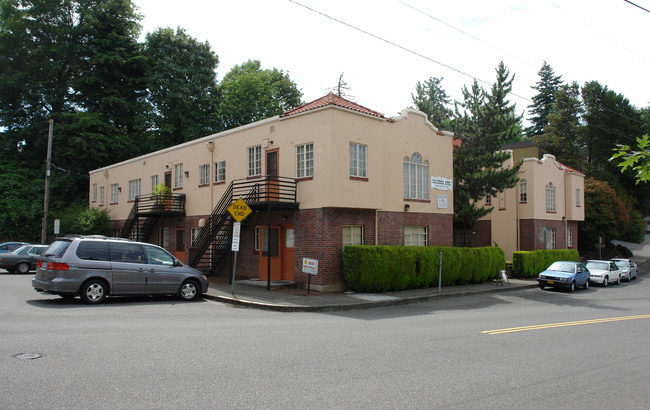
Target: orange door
(180, 244)
(287, 252)
(270, 249)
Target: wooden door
(270, 249)
(180, 244)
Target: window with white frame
(101, 195)
(154, 182)
(358, 160)
(255, 161)
(178, 175)
(570, 238)
(415, 236)
(94, 193)
(114, 193)
(194, 232)
(550, 197)
(204, 174)
(220, 171)
(550, 239)
(305, 160)
(134, 189)
(352, 235)
(523, 191)
(577, 196)
(416, 177)
(488, 199)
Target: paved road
(162, 353)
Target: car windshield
(18, 250)
(562, 267)
(621, 262)
(598, 265)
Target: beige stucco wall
(330, 129)
(537, 173)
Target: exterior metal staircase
(214, 241)
(147, 211)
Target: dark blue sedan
(565, 274)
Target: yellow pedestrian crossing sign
(239, 210)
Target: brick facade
(531, 233)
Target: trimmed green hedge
(527, 264)
(390, 268)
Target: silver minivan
(94, 267)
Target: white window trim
(115, 190)
(550, 198)
(416, 177)
(178, 175)
(134, 189)
(255, 161)
(101, 195)
(358, 160)
(523, 191)
(350, 240)
(305, 160)
(94, 193)
(220, 171)
(204, 174)
(421, 236)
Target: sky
(384, 48)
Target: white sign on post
(310, 266)
(235, 243)
(236, 229)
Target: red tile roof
(332, 99)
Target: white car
(604, 272)
(628, 268)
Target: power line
(445, 65)
(636, 5)
(408, 50)
(465, 33)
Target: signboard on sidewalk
(310, 266)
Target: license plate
(550, 282)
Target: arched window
(550, 197)
(416, 177)
(523, 191)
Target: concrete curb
(341, 307)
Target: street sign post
(239, 210)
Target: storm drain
(27, 356)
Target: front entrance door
(272, 186)
(279, 247)
(180, 244)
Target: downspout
(376, 226)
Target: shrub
(527, 264)
(392, 268)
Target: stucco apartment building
(541, 212)
(318, 177)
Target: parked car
(95, 267)
(604, 272)
(22, 259)
(10, 246)
(628, 268)
(565, 274)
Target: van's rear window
(57, 248)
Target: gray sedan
(21, 260)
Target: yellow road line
(563, 324)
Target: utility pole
(47, 182)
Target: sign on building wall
(442, 184)
(442, 201)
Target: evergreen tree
(563, 135)
(542, 105)
(432, 99)
(486, 122)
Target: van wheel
(189, 290)
(93, 291)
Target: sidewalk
(253, 294)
